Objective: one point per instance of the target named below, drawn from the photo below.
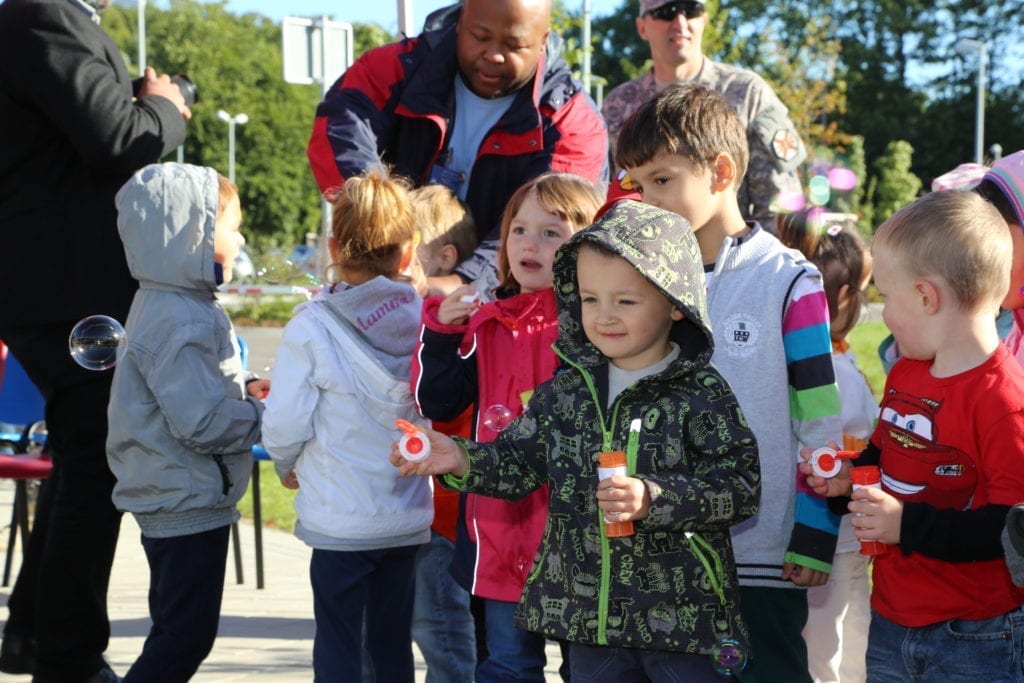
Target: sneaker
(17, 654)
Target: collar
(93, 15)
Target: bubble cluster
(94, 342)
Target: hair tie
(834, 230)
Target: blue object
(21, 404)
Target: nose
(495, 55)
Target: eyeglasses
(690, 10)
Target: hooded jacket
(671, 585)
(181, 427)
(341, 379)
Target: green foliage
(864, 340)
(271, 311)
(277, 504)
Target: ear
(928, 294)
(677, 314)
(843, 294)
(641, 28)
(448, 258)
(723, 173)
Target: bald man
(481, 102)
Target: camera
(187, 88)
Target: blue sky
(383, 12)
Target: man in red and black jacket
(481, 101)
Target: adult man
(72, 134)
(481, 102)
(675, 30)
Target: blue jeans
(597, 664)
(442, 625)
(775, 618)
(371, 589)
(512, 654)
(952, 651)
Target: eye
(662, 180)
(588, 299)
(517, 230)
(551, 232)
(638, 187)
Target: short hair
(688, 120)
(373, 220)
(573, 198)
(442, 218)
(226, 191)
(956, 235)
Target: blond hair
(572, 198)
(226, 191)
(956, 235)
(373, 222)
(443, 218)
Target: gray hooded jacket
(181, 428)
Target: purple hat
(963, 177)
(1008, 175)
(647, 5)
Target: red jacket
(495, 360)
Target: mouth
(490, 80)
(530, 265)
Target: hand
(877, 515)
(838, 485)
(803, 576)
(258, 388)
(291, 481)
(623, 499)
(454, 311)
(443, 285)
(445, 457)
(161, 86)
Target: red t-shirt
(955, 442)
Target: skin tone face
(903, 311)
(626, 317)
(227, 238)
(500, 43)
(1014, 298)
(675, 45)
(534, 235)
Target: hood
(165, 216)
(662, 247)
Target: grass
(276, 500)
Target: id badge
(439, 175)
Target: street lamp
(965, 46)
(241, 120)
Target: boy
(639, 379)
(950, 444)
(442, 624)
(181, 427)
(686, 151)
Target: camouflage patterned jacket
(658, 589)
(776, 150)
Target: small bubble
(728, 657)
(497, 417)
(94, 342)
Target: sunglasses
(690, 10)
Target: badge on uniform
(786, 144)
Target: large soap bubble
(496, 417)
(94, 342)
(728, 657)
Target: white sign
(315, 50)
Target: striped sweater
(770, 322)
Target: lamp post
(241, 120)
(965, 46)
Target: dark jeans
(598, 664)
(186, 584)
(776, 619)
(375, 587)
(60, 596)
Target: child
(950, 445)
(494, 355)
(342, 379)
(442, 625)
(181, 427)
(633, 333)
(837, 621)
(686, 151)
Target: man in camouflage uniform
(675, 29)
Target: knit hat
(1008, 175)
(963, 177)
(648, 5)
(1013, 543)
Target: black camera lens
(187, 88)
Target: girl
(343, 369)
(494, 355)
(838, 615)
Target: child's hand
(623, 499)
(803, 576)
(445, 457)
(838, 485)
(877, 515)
(455, 311)
(291, 481)
(258, 388)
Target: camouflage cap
(648, 5)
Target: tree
(895, 185)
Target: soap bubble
(842, 179)
(94, 342)
(728, 657)
(497, 417)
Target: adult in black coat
(71, 133)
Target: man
(481, 102)
(675, 30)
(72, 134)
